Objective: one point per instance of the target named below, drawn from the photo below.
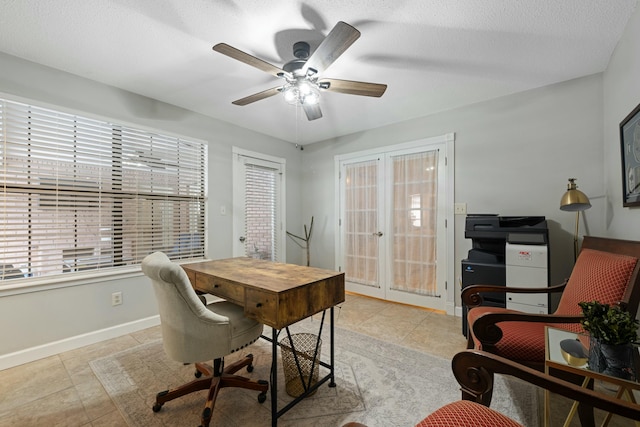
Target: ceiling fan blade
(241, 56)
(337, 41)
(257, 96)
(312, 111)
(355, 88)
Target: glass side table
(554, 359)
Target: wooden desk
(277, 295)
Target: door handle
(242, 239)
(379, 234)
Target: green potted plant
(613, 332)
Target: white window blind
(83, 194)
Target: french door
(392, 220)
(258, 206)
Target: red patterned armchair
(474, 370)
(607, 270)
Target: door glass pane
(414, 217)
(361, 223)
(260, 212)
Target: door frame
(448, 140)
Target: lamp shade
(573, 199)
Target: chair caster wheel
(156, 407)
(197, 374)
(249, 368)
(262, 397)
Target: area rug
(378, 383)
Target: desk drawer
(262, 305)
(221, 288)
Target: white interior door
(392, 222)
(258, 206)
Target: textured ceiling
(434, 55)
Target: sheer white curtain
(361, 223)
(415, 203)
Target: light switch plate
(460, 208)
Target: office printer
(521, 239)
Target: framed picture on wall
(630, 149)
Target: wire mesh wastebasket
(308, 359)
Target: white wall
(621, 95)
(513, 157)
(36, 319)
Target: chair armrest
(474, 370)
(472, 295)
(488, 333)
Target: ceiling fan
(302, 82)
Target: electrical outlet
(460, 208)
(116, 298)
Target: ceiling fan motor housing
(294, 67)
(301, 50)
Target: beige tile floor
(62, 390)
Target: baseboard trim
(451, 309)
(34, 353)
(458, 311)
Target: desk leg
(332, 382)
(274, 377)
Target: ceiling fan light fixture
(291, 94)
(305, 87)
(301, 92)
(311, 98)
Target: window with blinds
(85, 194)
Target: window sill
(28, 285)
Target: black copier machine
(490, 234)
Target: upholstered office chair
(474, 370)
(195, 332)
(607, 270)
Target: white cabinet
(526, 266)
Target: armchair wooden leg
(470, 343)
